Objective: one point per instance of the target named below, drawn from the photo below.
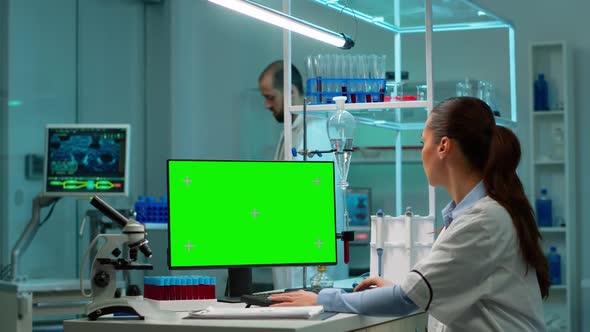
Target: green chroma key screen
(250, 213)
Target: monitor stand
(239, 282)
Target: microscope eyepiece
(108, 211)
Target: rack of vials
(359, 78)
(398, 243)
(179, 293)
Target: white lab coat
(317, 139)
(475, 279)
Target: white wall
(42, 76)
(69, 61)
(3, 127)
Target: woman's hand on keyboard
(371, 283)
(294, 299)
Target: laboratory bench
(177, 323)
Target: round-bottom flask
(321, 280)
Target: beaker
(312, 70)
(394, 90)
(487, 92)
(422, 92)
(464, 88)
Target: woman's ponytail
(504, 186)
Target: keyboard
(262, 300)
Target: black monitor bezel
(197, 267)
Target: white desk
(339, 322)
(174, 322)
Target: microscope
(107, 261)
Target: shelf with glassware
(385, 114)
(403, 115)
(552, 173)
(385, 155)
(389, 113)
(557, 229)
(397, 105)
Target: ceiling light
(285, 21)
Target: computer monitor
(250, 213)
(86, 159)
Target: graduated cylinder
(403, 241)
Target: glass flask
(557, 152)
(321, 280)
(341, 126)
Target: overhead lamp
(285, 21)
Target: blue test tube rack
(356, 90)
(150, 210)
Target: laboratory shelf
(405, 16)
(363, 106)
(553, 158)
(548, 113)
(381, 162)
(371, 162)
(152, 226)
(402, 115)
(549, 162)
(558, 288)
(552, 229)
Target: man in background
(271, 87)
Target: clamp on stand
(106, 262)
(319, 153)
(346, 237)
(308, 153)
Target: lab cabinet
(552, 168)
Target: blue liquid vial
(541, 99)
(544, 209)
(554, 261)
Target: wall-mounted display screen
(86, 159)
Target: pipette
(408, 226)
(379, 240)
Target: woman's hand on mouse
(372, 282)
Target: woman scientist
(486, 270)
